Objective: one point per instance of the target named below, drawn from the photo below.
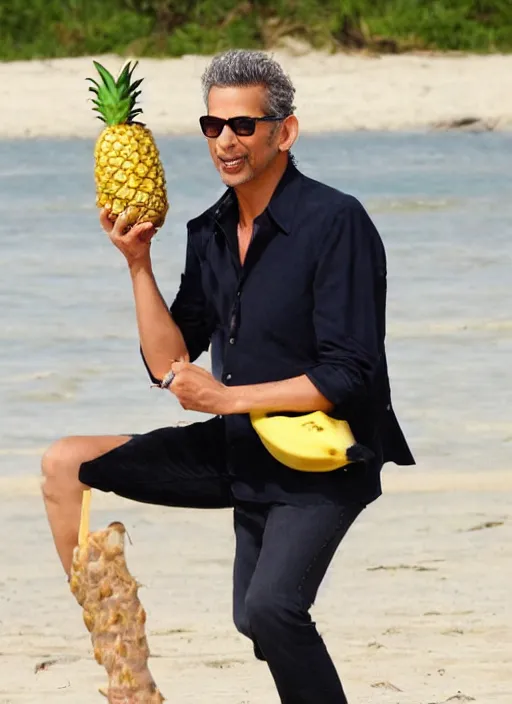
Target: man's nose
(227, 137)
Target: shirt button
(238, 294)
(228, 377)
(231, 340)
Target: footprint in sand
(393, 568)
(487, 524)
(459, 697)
(386, 685)
(225, 662)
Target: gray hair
(244, 67)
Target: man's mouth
(232, 163)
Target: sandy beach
(416, 608)
(334, 92)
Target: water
(69, 352)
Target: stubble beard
(238, 179)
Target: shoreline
(335, 93)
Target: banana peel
(314, 442)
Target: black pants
(282, 551)
(282, 554)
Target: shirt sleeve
(190, 309)
(349, 307)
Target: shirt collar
(281, 208)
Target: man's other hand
(197, 390)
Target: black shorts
(178, 466)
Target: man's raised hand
(134, 242)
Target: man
(285, 278)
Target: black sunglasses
(242, 126)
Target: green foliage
(55, 28)
(52, 28)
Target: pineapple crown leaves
(116, 99)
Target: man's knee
(62, 460)
(56, 457)
(59, 465)
(268, 613)
(242, 623)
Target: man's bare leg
(62, 490)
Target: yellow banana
(309, 443)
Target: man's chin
(234, 180)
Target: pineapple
(128, 172)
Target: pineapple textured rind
(104, 587)
(129, 175)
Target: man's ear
(289, 133)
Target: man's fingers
(143, 231)
(121, 225)
(105, 221)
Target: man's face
(241, 159)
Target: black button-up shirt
(309, 299)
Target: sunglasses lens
(211, 126)
(244, 126)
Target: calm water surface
(69, 360)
